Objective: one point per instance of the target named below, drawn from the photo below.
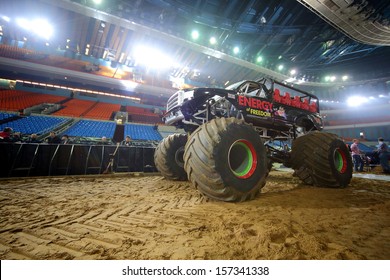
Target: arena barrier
(19, 160)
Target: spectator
(65, 139)
(6, 135)
(127, 141)
(358, 163)
(16, 138)
(53, 138)
(104, 141)
(383, 151)
(33, 139)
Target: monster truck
(234, 135)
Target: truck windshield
(235, 85)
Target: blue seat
(34, 124)
(87, 128)
(142, 132)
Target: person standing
(104, 141)
(65, 139)
(383, 151)
(53, 138)
(127, 141)
(33, 139)
(6, 135)
(357, 159)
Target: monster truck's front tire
(168, 157)
(321, 159)
(226, 160)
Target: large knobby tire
(168, 157)
(321, 159)
(226, 160)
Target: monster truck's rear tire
(321, 159)
(226, 160)
(168, 157)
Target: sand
(122, 216)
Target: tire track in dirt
(124, 217)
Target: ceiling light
(5, 18)
(355, 101)
(213, 41)
(259, 59)
(24, 23)
(195, 35)
(293, 71)
(280, 67)
(42, 28)
(345, 77)
(152, 58)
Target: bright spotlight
(293, 71)
(259, 59)
(5, 18)
(236, 50)
(280, 67)
(355, 101)
(195, 35)
(42, 28)
(152, 58)
(23, 23)
(39, 26)
(213, 41)
(332, 79)
(344, 78)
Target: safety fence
(25, 159)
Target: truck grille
(173, 101)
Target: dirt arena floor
(123, 216)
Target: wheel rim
(179, 156)
(242, 159)
(340, 160)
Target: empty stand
(34, 124)
(4, 116)
(17, 100)
(142, 115)
(142, 132)
(87, 128)
(102, 111)
(75, 108)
